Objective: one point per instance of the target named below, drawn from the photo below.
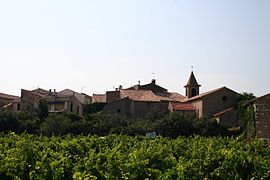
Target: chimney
(153, 81)
(50, 91)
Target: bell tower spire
(192, 87)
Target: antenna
(83, 88)
(153, 74)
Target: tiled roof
(222, 112)
(7, 96)
(175, 96)
(204, 94)
(41, 91)
(192, 81)
(79, 96)
(143, 95)
(255, 99)
(17, 100)
(148, 86)
(183, 107)
(33, 93)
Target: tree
(55, 124)
(246, 114)
(93, 108)
(42, 110)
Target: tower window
(71, 107)
(78, 109)
(224, 99)
(193, 92)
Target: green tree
(42, 110)
(55, 124)
(93, 108)
(246, 114)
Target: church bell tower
(192, 87)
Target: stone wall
(218, 101)
(132, 108)
(262, 117)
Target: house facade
(6, 99)
(63, 101)
(138, 100)
(261, 106)
(134, 103)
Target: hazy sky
(95, 45)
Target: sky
(93, 46)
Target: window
(193, 92)
(18, 107)
(224, 99)
(71, 107)
(78, 110)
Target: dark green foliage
(174, 125)
(126, 157)
(29, 123)
(42, 111)
(72, 116)
(246, 114)
(55, 124)
(93, 108)
(9, 122)
(165, 124)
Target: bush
(55, 124)
(9, 122)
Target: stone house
(261, 106)
(218, 104)
(186, 109)
(99, 98)
(5, 99)
(135, 103)
(63, 101)
(139, 100)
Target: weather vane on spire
(153, 75)
(192, 68)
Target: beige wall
(214, 102)
(73, 104)
(199, 108)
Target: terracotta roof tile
(175, 96)
(182, 107)
(143, 95)
(7, 96)
(204, 94)
(222, 112)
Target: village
(219, 104)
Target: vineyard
(124, 157)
